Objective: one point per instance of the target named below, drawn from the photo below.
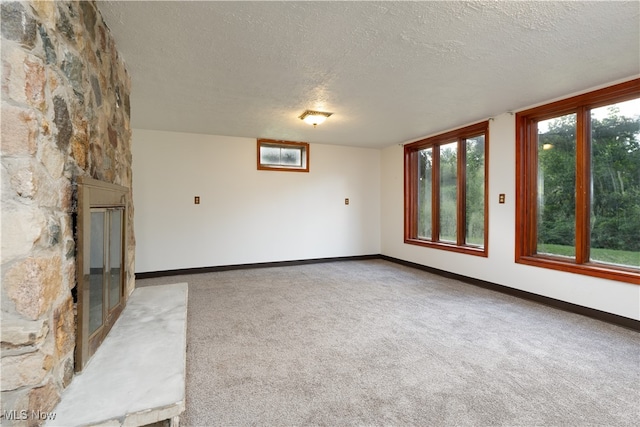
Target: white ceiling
(390, 72)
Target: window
(445, 191)
(578, 184)
(283, 155)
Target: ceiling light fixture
(314, 117)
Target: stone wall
(65, 113)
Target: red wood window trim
(526, 183)
(410, 191)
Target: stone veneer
(65, 113)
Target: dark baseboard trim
(199, 270)
(552, 302)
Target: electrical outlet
(346, 201)
(196, 200)
(501, 198)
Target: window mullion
(583, 184)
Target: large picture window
(578, 184)
(445, 191)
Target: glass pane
(425, 184)
(115, 257)
(557, 186)
(269, 155)
(291, 156)
(448, 191)
(615, 184)
(96, 272)
(475, 191)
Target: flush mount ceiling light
(314, 117)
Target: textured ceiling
(390, 71)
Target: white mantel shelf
(137, 376)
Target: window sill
(605, 271)
(452, 247)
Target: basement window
(283, 155)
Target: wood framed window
(445, 191)
(283, 155)
(578, 184)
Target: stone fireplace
(65, 119)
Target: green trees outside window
(557, 186)
(614, 217)
(475, 191)
(615, 184)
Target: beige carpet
(374, 343)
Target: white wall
(246, 215)
(606, 295)
(251, 216)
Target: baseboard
(552, 302)
(198, 270)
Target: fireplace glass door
(96, 272)
(105, 273)
(101, 240)
(116, 283)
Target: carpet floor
(373, 343)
